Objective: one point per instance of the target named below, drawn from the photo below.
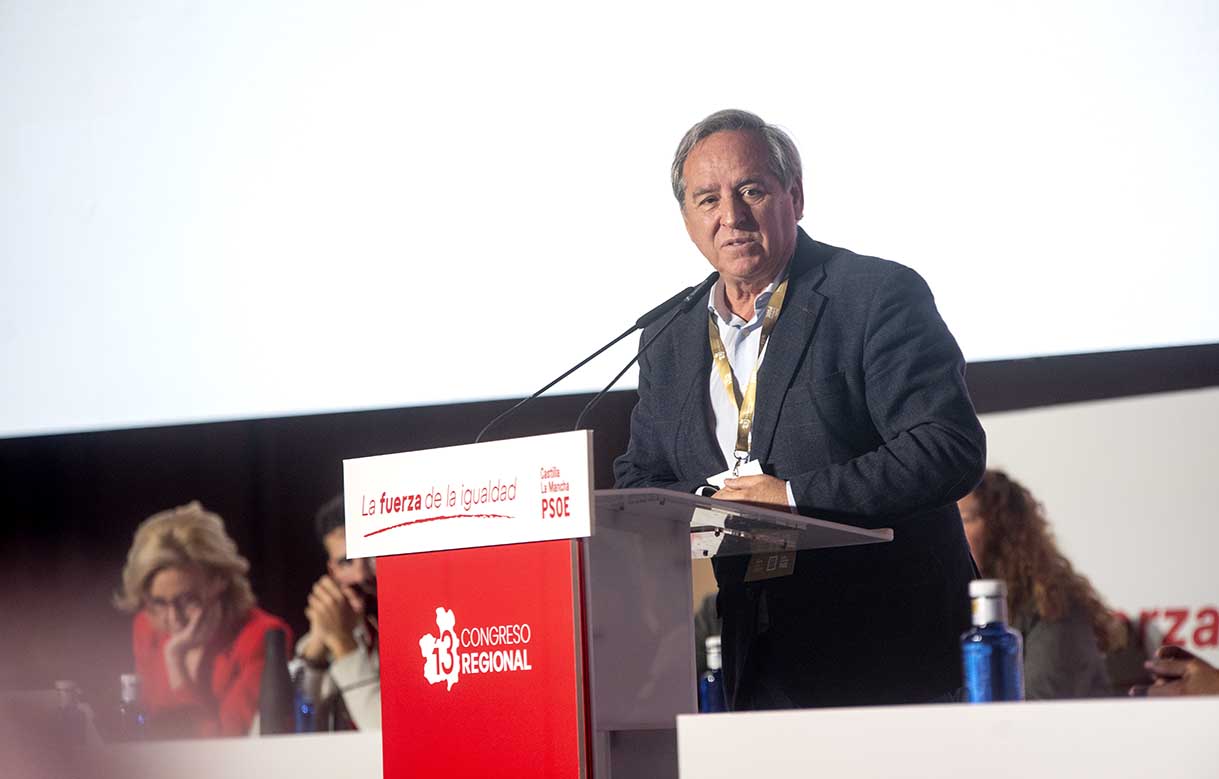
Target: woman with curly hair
(197, 635)
(1066, 625)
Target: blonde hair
(181, 537)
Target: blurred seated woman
(197, 636)
(1066, 627)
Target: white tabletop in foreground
(1109, 738)
(323, 755)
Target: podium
(568, 657)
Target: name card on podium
(500, 492)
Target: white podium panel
(514, 491)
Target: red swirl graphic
(436, 519)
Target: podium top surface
(714, 521)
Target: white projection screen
(228, 210)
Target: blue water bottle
(711, 685)
(992, 654)
(302, 700)
(132, 721)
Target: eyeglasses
(180, 604)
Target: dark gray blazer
(862, 406)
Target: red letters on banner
(1173, 626)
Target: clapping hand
(334, 612)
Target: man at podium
(825, 382)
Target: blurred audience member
(343, 668)
(1066, 627)
(197, 635)
(1177, 671)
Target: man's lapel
(697, 448)
(788, 341)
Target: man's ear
(797, 192)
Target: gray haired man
(825, 382)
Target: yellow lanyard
(745, 407)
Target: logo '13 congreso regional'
(482, 650)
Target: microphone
(697, 293)
(692, 297)
(683, 300)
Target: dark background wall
(70, 503)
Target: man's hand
(332, 618)
(762, 490)
(1178, 671)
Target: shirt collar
(717, 301)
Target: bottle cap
(296, 668)
(987, 588)
(129, 687)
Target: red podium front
(498, 631)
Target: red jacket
(226, 699)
